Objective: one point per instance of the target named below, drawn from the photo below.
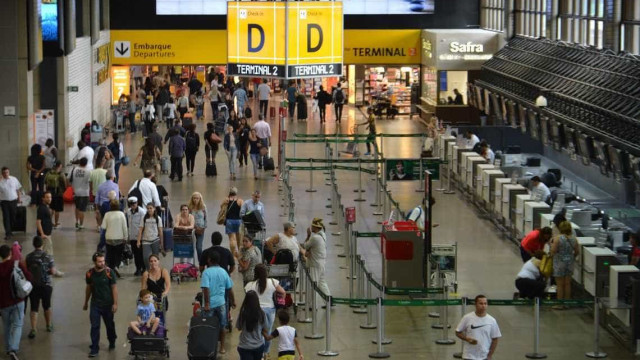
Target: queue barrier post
(448, 191)
(380, 354)
(359, 189)
(311, 189)
(596, 353)
(458, 355)
(326, 156)
(536, 354)
(441, 188)
(359, 309)
(369, 324)
(421, 182)
(307, 285)
(338, 214)
(347, 248)
(327, 331)
(381, 313)
(301, 284)
(445, 319)
(435, 314)
(314, 312)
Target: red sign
(350, 215)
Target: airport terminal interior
(419, 153)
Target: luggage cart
(183, 249)
(286, 276)
(142, 346)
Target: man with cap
(134, 215)
(314, 250)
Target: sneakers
(32, 334)
(93, 354)
(58, 273)
(112, 345)
(12, 355)
(367, 153)
(49, 328)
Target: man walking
(324, 99)
(314, 250)
(215, 284)
(79, 180)
(177, 147)
(226, 261)
(148, 190)
(134, 215)
(44, 226)
(292, 93)
(264, 91)
(101, 289)
(12, 310)
(479, 331)
(338, 101)
(41, 266)
(9, 199)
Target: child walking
(288, 338)
(146, 315)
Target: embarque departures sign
(284, 40)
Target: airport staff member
(539, 191)
(479, 331)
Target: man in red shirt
(535, 240)
(12, 310)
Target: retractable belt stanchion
(314, 311)
(307, 286)
(448, 191)
(381, 313)
(327, 332)
(347, 241)
(421, 185)
(458, 355)
(338, 213)
(435, 314)
(369, 324)
(441, 188)
(536, 333)
(311, 189)
(380, 354)
(359, 309)
(300, 285)
(596, 353)
(359, 189)
(445, 319)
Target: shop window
(390, 86)
(492, 14)
(449, 81)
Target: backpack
(20, 286)
(192, 140)
(339, 97)
(285, 256)
(36, 270)
(52, 183)
(247, 113)
(136, 192)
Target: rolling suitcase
(272, 112)
(167, 232)
(202, 341)
(211, 169)
(164, 164)
(269, 164)
(20, 222)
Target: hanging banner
(42, 127)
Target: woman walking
(254, 151)
(564, 250)
(232, 205)
(35, 166)
(231, 148)
(211, 141)
(158, 281)
(150, 237)
(114, 224)
(249, 257)
(148, 156)
(265, 288)
(50, 155)
(192, 141)
(252, 325)
(243, 141)
(198, 209)
(56, 183)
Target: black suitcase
(211, 169)
(269, 164)
(148, 344)
(202, 341)
(20, 222)
(254, 222)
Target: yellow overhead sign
(260, 45)
(382, 46)
(168, 47)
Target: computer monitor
(555, 134)
(513, 113)
(602, 156)
(534, 128)
(522, 114)
(584, 148)
(544, 130)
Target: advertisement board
(382, 47)
(409, 169)
(119, 83)
(351, 7)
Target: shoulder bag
(222, 214)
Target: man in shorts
(41, 266)
(479, 331)
(79, 180)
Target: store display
(390, 87)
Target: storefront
(450, 60)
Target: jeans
(338, 111)
(137, 255)
(233, 155)
(271, 315)
(114, 255)
(371, 139)
(199, 240)
(264, 106)
(12, 319)
(292, 108)
(95, 313)
(149, 248)
(176, 167)
(242, 153)
(214, 109)
(191, 160)
(132, 122)
(159, 114)
(323, 112)
(8, 215)
(251, 354)
(255, 159)
(117, 170)
(37, 188)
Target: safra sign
(469, 47)
(284, 40)
(468, 51)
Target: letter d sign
(319, 44)
(250, 28)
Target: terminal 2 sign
(284, 40)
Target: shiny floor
(486, 264)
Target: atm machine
(477, 177)
(509, 193)
(578, 265)
(497, 195)
(517, 212)
(472, 161)
(619, 278)
(595, 271)
(532, 212)
(489, 184)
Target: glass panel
(592, 32)
(600, 34)
(592, 7)
(601, 8)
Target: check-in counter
(517, 213)
(497, 195)
(472, 162)
(443, 147)
(532, 212)
(509, 193)
(619, 278)
(595, 272)
(488, 184)
(579, 264)
(462, 164)
(477, 177)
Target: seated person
(529, 281)
(283, 240)
(146, 315)
(539, 191)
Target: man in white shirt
(79, 180)
(479, 331)
(471, 140)
(263, 131)
(9, 199)
(264, 91)
(148, 190)
(86, 152)
(539, 191)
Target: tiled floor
(486, 264)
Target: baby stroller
(158, 344)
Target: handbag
(67, 196)
(278, 299)
(546, 266)
(222, 214)
(199, 230)
(215, 138)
